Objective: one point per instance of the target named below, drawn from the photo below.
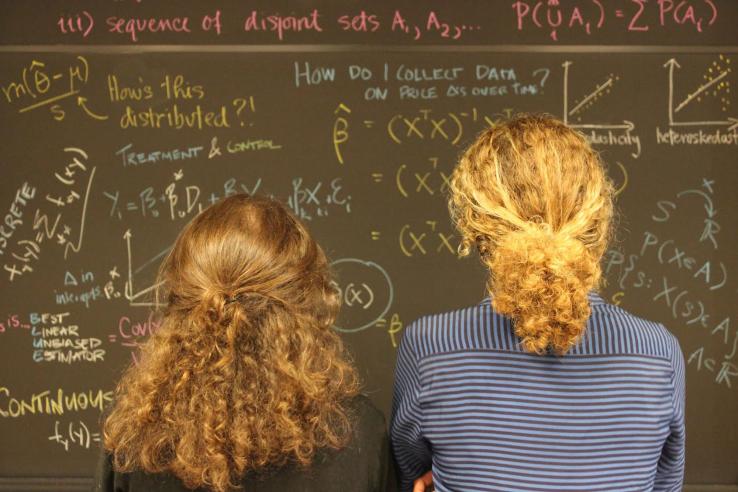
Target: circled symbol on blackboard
(366, 293)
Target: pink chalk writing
(589, 15)
(134, 27)
(280, 24)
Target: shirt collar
(594, 299)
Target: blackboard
(114, 140)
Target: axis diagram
(574, 116)
(139, 298)
(715, 84)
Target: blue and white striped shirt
(483, 414)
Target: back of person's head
(533, 197)
(245, 369)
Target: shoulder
(104, 475)
(368, 419)
(448, 331)
(363, 460)
(632, 333)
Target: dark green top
(364, 465)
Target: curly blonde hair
(533, 197)
(245, 369)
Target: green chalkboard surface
(111, 144)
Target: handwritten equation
(63, 227)
(685, 278)
(555, 17)
(39, 86)
(308, 198)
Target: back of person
(499, 418)
(542, 386)
(245, 383)
(362, 463)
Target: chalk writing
(588, 16)
(716, 84)
(616, 133)
(13, 321)
(181, 114)
(52, 402)
(55, 339)
(553, 19)
(426, 238)
(40, 86)
(427, 82)
(307, 201)
(76, 180)
(686, 304)
(86, 290)
(132, 334)
(14, 218)
(280, 24)
(394, 328)
(131, 158)
(366, 293)
(133, 28)
(430, 182)
(240, 146)
(77, 433)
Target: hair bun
(534, 197)
(213, 306)
(541, 280)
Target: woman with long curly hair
(245, 384)
(543, 385)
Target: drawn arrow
(129, 285)
(671, 63)
(81, 103)
(628, 126)
(566, 66)
(731, 122)
(709, 206)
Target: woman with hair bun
(245, 384)
(542, 386)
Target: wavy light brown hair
(245, 370)
(534, 198)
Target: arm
(388, 474)
(104, 477)
(670, 469)
(411, 450)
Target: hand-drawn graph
(583, 103)
(134, 298)
(716, 84)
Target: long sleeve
(670, 469)
(104, 476)
(411, 450)
(387, 478)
